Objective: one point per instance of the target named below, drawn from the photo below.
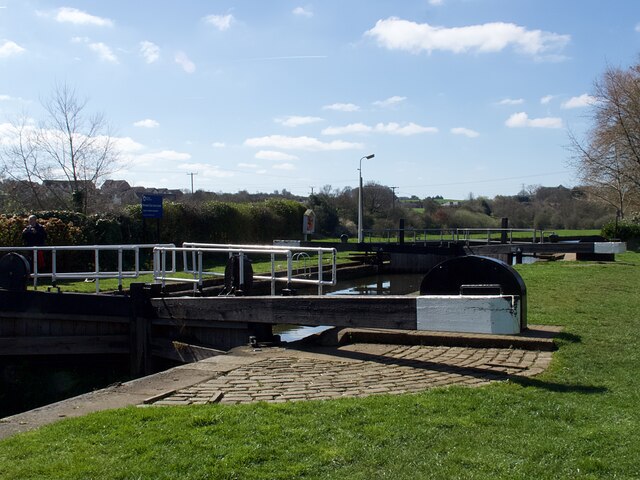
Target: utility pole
(311, 190)
(393, 200)
(191, 174)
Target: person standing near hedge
(34, 235)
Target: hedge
(211, 222)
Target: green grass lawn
(580, 419)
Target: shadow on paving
(488, 373)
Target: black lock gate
(476, 275)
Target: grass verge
(577, 420)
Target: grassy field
(580, 419)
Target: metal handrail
(96, 274)
(195, 252)
(448, 233)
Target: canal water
(27, 383)
(384, 284)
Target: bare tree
(19, 157)
(608, 162)
(70, 151)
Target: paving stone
(402, 369)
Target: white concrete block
(497, 314)
(609, 247)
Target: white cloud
(248, 165)
(221, 22)
(300, 143)
(342, 107)
(521, 119)
(275, 156)
(390, 128)
(465, 131)
(7, 98)
(146, 123)
(436, 3)
(127, 145)
(184, 61)
(584, 100)
(638, 27)
(397, 34)
(218, 145)
(148, 159)
(511, 101)
(409, 129)
(206, 170)
(149, 51)
(390, 102)
(9, 49)
(303, 12)
(78, 17)
(284, 166)
(351, 128)
(547, 99)
(104, 52)
(296, 121)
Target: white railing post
(289, 267)
(96, 257)
(34, 264)
(241, 270)
(320, 279)
(200, 267)
(273, 275)
(120, 269)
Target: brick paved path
(279, 375)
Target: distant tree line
(209, 222)
(261, 218)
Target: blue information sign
(152, 206)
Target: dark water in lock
(385, 284)
(30, 382)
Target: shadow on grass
(558, 387)
(568, 337)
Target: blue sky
(452, 96)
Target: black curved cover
(14, 271)
(449, 276)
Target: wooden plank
(182, 352)
(357, 311)
(66, 345)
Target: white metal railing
(410, 234)
(193, 263)
(94, 275)
(466, 233)
(446, 234)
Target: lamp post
(368, 157)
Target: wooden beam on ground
(182, 352)
(497, 314)
(357, 311)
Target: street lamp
(368, 157)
